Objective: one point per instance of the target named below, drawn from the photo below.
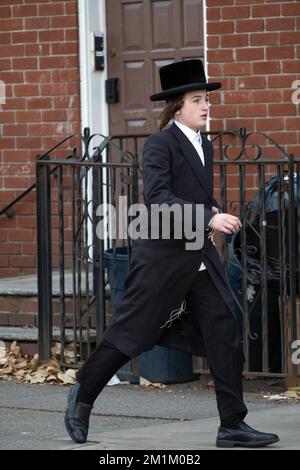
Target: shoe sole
(230, 444)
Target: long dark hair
(174, 103)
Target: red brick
(15, 156)
(52, 9)
(224, 111)
(6, 116)
(63, 21)
(235, 12)
(56, 115)
(238, 97)
(22, 261)
(16, 182)
(251, 53)
(4, 64)
(280, 24)
(41, 129)
(251, 82)
(212, 42)
(26, 90)
(9, 304)
(289, 38)
(29, 142)
(237, 69)
(14, 129)
(37, 50)
(52, 62)
(51, 36)
(4, 261)
(37, 77)
(222, 55)
(28, 116)
(11, 50)
(39, 103)
(291, 66)
(30, 248)
(213, 14)
(266, 10)
(266, 67)
(282, 109)
(5, 38)
(284, 137)
(64, 48)
(235, 40)
(71, 8)
(24, 10)
(23, 235)
(8, 24)
(24, 36)
(292, 123)
(244, 26)
(253, 110)
(5, 12)
(215, 70)
(224, 27)
(37, 23)
(213, 3)
(266, 96)
(24, 64)
(54, 89)
(10, 249)
(264, 39)
(280, 52)
(290, 9)
(71, 35)
(21, 319)
(12, 77)
(280, 81)
(269, 124)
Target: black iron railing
(262, 262)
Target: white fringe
(176, 313)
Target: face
(194, 111)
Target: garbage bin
(254, 270)
(161, 364)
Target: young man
(165, 277)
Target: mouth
(203, 116)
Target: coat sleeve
(156, 170)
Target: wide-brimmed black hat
(180, 77)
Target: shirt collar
(190, 134)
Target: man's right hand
(225, 223)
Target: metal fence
(255, 179)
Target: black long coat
(154, 309)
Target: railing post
(44, 260)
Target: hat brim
(163, 95)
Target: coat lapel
(203, 174)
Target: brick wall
(39, 63)
(254, 50)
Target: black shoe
(77, 416)
(244, 436)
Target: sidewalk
(180, 416)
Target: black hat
(180, 77)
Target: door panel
(143, 36)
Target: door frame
(93, 106)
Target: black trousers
(222, 344)
(221, 341)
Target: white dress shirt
(195, 139)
